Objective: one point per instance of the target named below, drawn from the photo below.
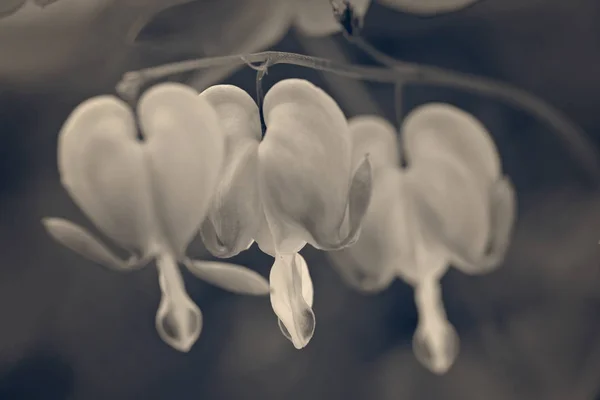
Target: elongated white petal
(232, 277)
(359, 198)
(85, 244)
(315, 17)
(435, 343)
(453, 211)
(439, 130)
(235, 212)
(184, 152)
(503, 215)
(428, 7)
(178, 319)
(305, 169)
(376, 137)
(292, 298)
(385, 242)
(101, 164)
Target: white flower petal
(375, 136)
(503, 216)
(428, 7)
(435, 343)
(359, 198)
(385, 243)
(101, 164)
(178, 319)
(436, 347)
(452, 210)
(184, 152)
(85, 244)
(264, 238)
(305, 168)
(315, 17)
(438, 130)
(232, 277)
(292, 298)
(235, 213)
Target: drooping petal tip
(86, 245)
(178, 322)
(292, 298)
(436, 350)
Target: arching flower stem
(402, 72)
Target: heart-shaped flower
(148, 195)
(449, 206)
(295, 187)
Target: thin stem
(399, 103)
(572, 135)
(260, 94)
(352, 95)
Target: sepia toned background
(531, 330)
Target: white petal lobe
(231, 277)
(376, 137)
(101, 164)
(235, 212)
(292, 298)
(304, 166)
(85, 244)
(184, 152)
(439, 130)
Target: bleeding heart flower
(149, 196)
(449, 206)
(295, 187)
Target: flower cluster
(450, 205)
(203, 166)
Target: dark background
(72, 330)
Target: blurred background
(530, 330)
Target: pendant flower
(295, 187)
(149, 196)
(451, 205)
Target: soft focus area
(530, 330)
